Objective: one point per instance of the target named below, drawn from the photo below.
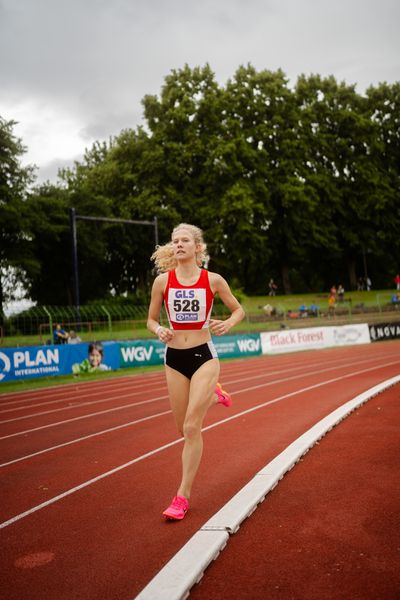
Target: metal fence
(93, 322)
(105, 321)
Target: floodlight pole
(73, 216)
(72, 220)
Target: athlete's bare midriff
(188, 338)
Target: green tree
(339, 140)
(263, 119)
(110, 183)
(383, 109)
(15, 252)
(207, 169)
(47, 211)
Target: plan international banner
(43, 361)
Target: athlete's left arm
(220, 286)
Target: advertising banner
(292, 340)
(233, 346)
(141, 353)
(43, 361)
(384, 331)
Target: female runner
(191, 361)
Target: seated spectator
(269, 310)
(340, 293)
(73, 337)
(313, 310)
(303, 310)
(60, 336)
(293, 314)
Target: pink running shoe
(177, 509)
(223, 397)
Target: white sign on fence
(292, 340)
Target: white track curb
(186, 568)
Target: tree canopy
(299, 183)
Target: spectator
(397, 282)
(331, 304)
(269, 310)
(60, 336)
(368, 284)
(74, 338)
(340, 292)
(303, 310)
(313, 310)
(272, 287)
(360, 284)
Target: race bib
(187, 306)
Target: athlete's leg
(201, 397)
(178, 391)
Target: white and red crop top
(188, 306)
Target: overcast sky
(75, 71)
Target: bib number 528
(186, 305)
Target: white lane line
(85, 437)
(101, 412)
(179, 440)
(87, 389)
(185, 569)
(76, 404)
(63, 391)
(109, 399)
(78, 397)
(274, 382)
(87, 483)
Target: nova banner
(384, 331)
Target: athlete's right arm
(157, 297)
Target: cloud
(73, 72)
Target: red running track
(86, 469)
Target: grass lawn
(371, 306)
(376, 301)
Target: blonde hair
(164, 258)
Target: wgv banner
(141, 353)
(234, 346)
(42, 361)
(312, 338)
